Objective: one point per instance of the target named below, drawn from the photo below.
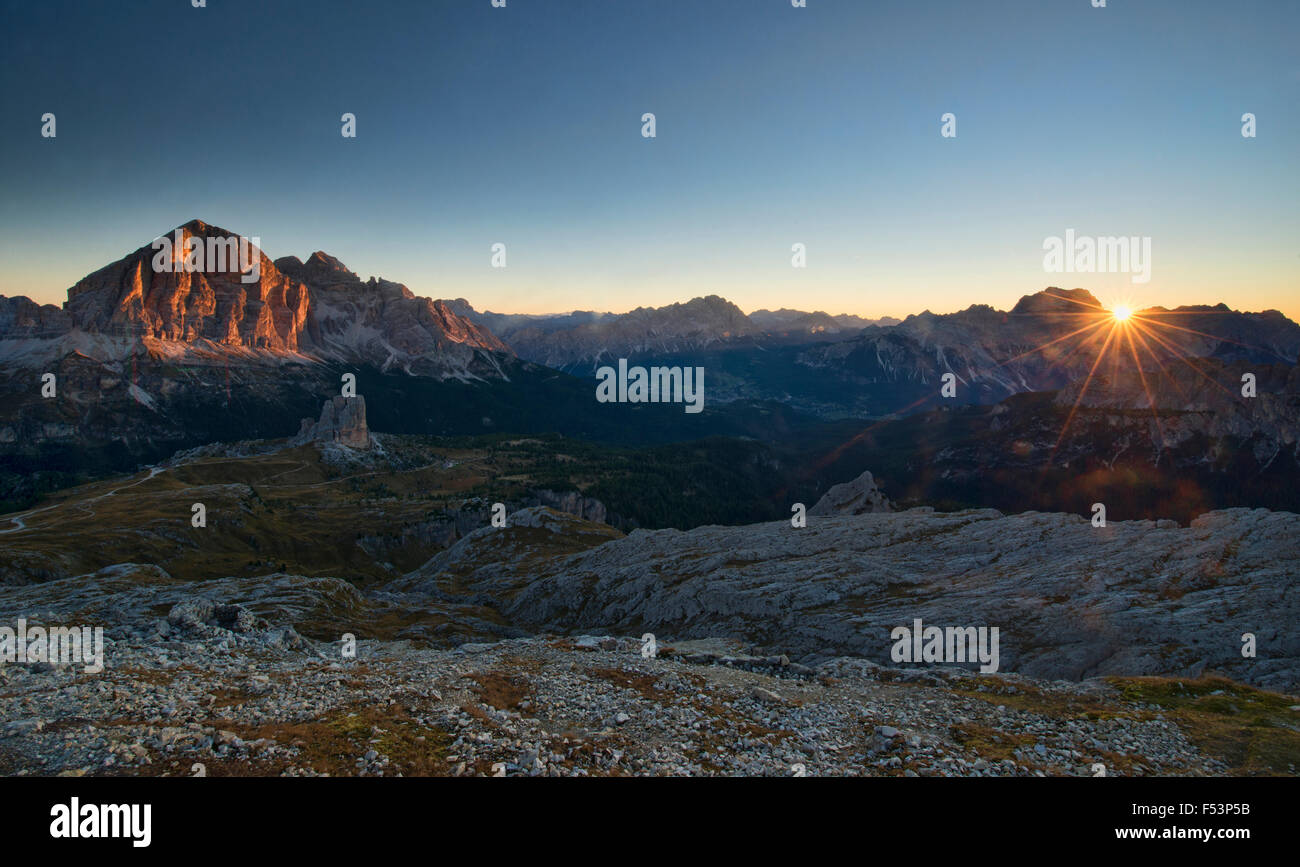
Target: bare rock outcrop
(858, 497)
(1071, 601)
(571, 502)
(342, 421)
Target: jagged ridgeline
(149, 356)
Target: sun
(1117, 331)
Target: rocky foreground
(555, 708)
(216, 691)
(1071, 600)
(518, 650)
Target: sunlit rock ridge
(266, 312)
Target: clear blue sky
(776, 125)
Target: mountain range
(1047, 341)
(835, 367)
(581, 341)
(148, 361)
(947, 468)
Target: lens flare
(1118, 335)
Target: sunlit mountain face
(974, 408)
(715, 388)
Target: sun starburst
(1112, 340)
(1111, 334)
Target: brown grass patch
(328, 745)
(1253, 731)
(990, 743)
(1050, 704)
(643, 684)
(501, 691)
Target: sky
(775, 126)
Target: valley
(371, 516)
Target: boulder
(857, 497)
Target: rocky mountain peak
(1056, 300)
(717, 311)
(203, 292)
(198, 227)
(324, 260)
(320, 270)
(222, 290)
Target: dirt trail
(21, 524)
